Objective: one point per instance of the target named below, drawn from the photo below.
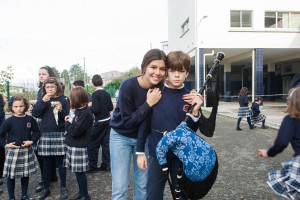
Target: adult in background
(137, 96)
(101, 107)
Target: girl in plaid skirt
(244, 111)
(17, 134)
(78, 128)
(257, 116)
(52, 109)
(286, 182)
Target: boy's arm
(143, 132)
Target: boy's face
(176, 78)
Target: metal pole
(84, 77)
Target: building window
(240, 18)
(282, 19)
(185, 26)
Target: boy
(167, 114)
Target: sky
(109, 34)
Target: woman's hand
(263, 153)
(142, 162)
(153, 96)
(11, 145)
(27, 143)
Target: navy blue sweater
(167, 114)
(101, 104)
(19, 129)
(289, 132)
(255, 109)
(131, 108)
(243, 101)
(78, 131)
(44, 111)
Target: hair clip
(11, 100)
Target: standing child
(101, 108)
(78, 128)
(52, 109)
(285, 182)
(167, 114)
(17, 135)
(244, 110)
(257, 116)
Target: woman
(137, 95)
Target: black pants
(51, 162)
(11, 186)
(99, 136)
(41, 164)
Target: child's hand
(27, 143)
(153, 96)
(67, 118)
(46, 98)
(11, 145)
(58, 106)
(263, 153)
(142, 162)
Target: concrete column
(227, 81)
(271, 84)
(259, 70)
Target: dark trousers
(157, 178)
(248, 120)
(50, 163)
(11, 187)
(82, 184)
(2, 160)
(41, 164)
(99, 136)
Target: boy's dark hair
(78, 83)
(18, 98)
(97, 80)
(152, 54)
(178, 60)
(78, 97)
(54, 80)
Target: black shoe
(252, 127)
(44, 195)
(239, 129)
(264, 127)
(54, 178)
(76, 196)
(39, 187)
(63, 193)
(26, 197)
(104, 169)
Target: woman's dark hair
(54, 80)
(97, 80)
(152, 54)
(18, 98)
(78, 97)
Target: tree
(5, 76)
(65, 75)
(76, 72)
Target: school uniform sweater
(44, 111)
(255, 109)
(101, 104)
(131, 108)
(167, 114)
(78, 131)
(243, 100)
(289, 132)
(18, 130)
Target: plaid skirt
(258, 118)
(52, 144)
(76, 159)
(20, 162)
(244, 112)
(286, 182)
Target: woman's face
(51, 89)
(43, 75)
(154, 72)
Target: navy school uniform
(244, 111)
(76, 140)
(21, 161)
(257, 116)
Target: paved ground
(242, 173)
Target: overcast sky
(109, 34)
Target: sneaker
(239, 129)
(63, 193)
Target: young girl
(257, 116)
(285, 182)
(17, 135)
(78, 128)
(244, 111)
(52, 109)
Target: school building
(260, 40)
